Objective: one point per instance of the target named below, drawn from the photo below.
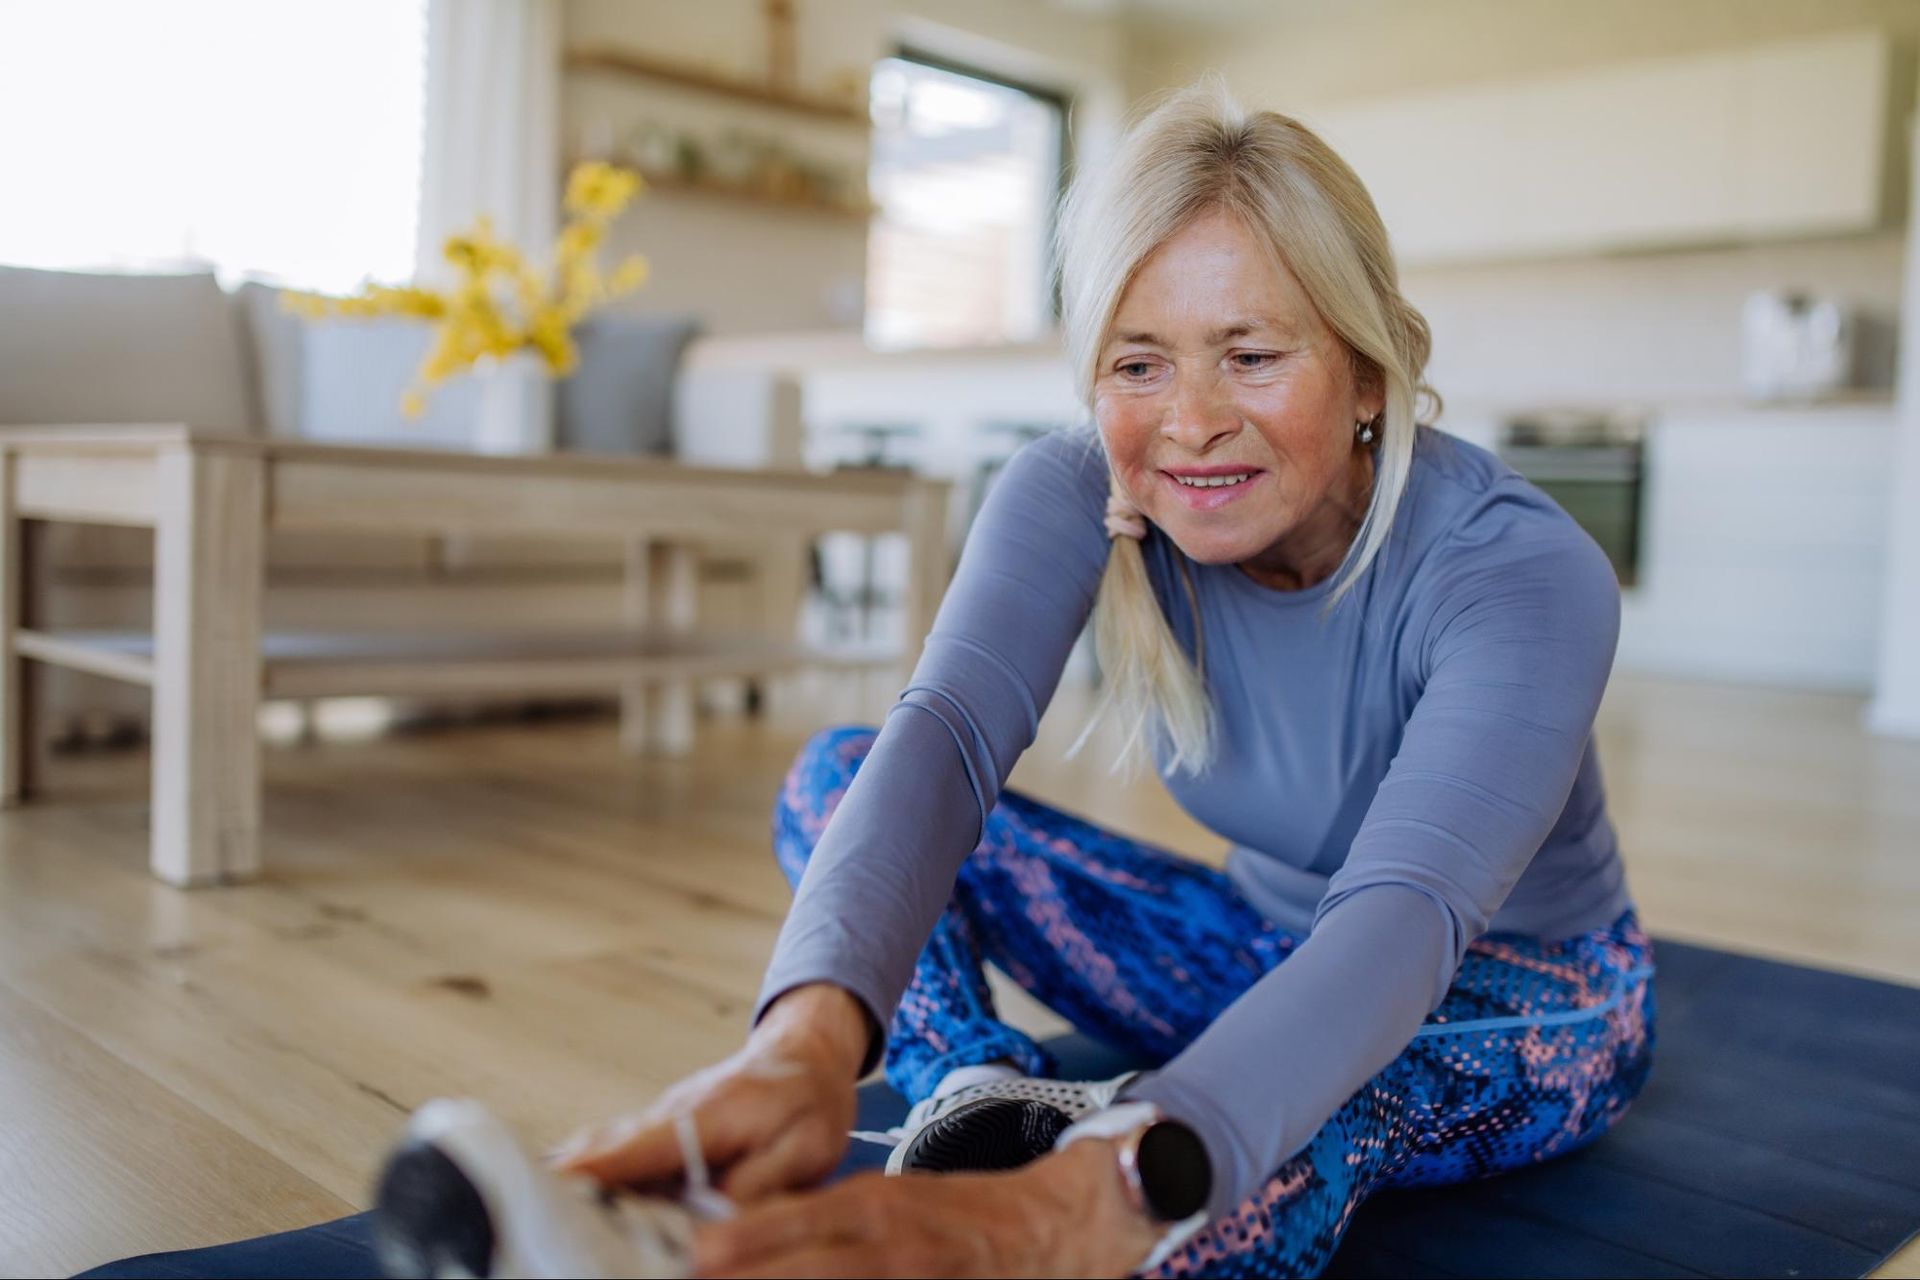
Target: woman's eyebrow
(1241, 328)
(1225, 333)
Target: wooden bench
(212, 502)
(401, 664)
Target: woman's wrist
(821, 1021)
(1089, 1225)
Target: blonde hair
(1195, 153)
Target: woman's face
(1228, 409)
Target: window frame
(1059, 99)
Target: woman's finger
(786, 1225)
(636, 1151)
(762, 1173)
(856, 1260)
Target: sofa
(91, 348)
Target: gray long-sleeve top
(1396, 777)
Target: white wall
(1896, 704)
(747, 269)
(1643, 326)
(1658, 328)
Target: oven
(1591, 462)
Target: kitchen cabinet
(1779, 140)
(1763, 541)
(1764, 546)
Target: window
(280, 139)
(966, 174)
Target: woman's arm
(885, 865)
(1518, 640)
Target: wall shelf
(745, 193)
(644, 66)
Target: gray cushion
(85, 348)
(340, 381)
(620, 397)
(276, 339)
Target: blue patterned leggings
(1536, 1050)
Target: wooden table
(211, 502)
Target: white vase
(516, 405)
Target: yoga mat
(1779, 1136)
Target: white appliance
(1795, 346)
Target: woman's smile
(1211, 488)
(1228, 408)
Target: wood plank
(632, 62)
(142, 439)
(100, 659)
(90, 437)
(607, 466)
(350, 664)
(532, 916)
(672, 583)
(14, 742)
(575, 675)
(928, 567)
(84, 1182)
(102, 487)
(209, 552)
(620, 500)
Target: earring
(1363, 430)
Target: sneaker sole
(987, 1135)
(430, 1219)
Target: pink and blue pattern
(1536, 1050)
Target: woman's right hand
(771, 1118)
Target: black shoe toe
(988, 1134)
(429, 1218)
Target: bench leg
(927, 568)
(208, 549)
(785, 570)
(16, 738)
(662, 591)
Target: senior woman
(1366, 654)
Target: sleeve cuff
(876, 1035)
(1234, 1169)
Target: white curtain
(137, 136)
(493, 148)
(492, 124)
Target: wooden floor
(526, 915)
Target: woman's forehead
(1212, 282)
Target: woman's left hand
(1063, 1215)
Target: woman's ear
(1369, 388)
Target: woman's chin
(1212, 547)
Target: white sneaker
(994, 1125)
(460, 1197)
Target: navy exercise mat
(1779, 1136)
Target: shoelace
(879, 1137)
(658, 1231)
(701, 1198)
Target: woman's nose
(1200, 416)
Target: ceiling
(1216, 13)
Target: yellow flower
(312, 306)
(629, 275)
(598, 190)
(548, 333)
(577, 241)
(499, 303)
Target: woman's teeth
(1213, 482)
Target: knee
(829, 759)
(813, 787)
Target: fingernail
(574, 1147)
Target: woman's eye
(1253, 359)
(1135, 369)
